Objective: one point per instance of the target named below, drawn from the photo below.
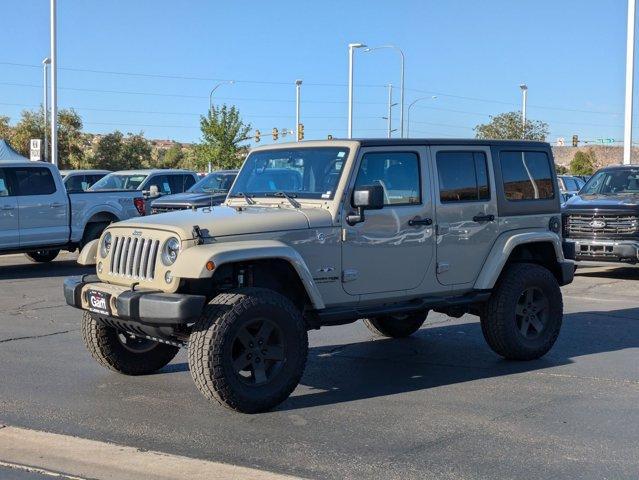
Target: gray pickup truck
(378, 230)
(39, 218)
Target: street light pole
(54, 87)
(630, 74)
(433, 97)
(227, 82)
(298, 88)
(45, 104)
(524, 98)
(351, 48)
(401, 83)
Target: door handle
(55, 205)
(415, 222)
(484, 218)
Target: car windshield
(297, 172)
(119, 181)
(613, 182)
(213, 183)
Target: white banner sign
(36, 150)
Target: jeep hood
(224, 220)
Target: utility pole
(432, 97)
(229, 82)
(524, 98)
(54, 87)
(351, 48)
(45, 104)
(390, 110)
(630, 74)
(298, 89)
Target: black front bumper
(624, 251)
(144, 306)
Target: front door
(9, 226)
(43, 207)
(392, 249)
(466, 212)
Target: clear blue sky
(471, 54)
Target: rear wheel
(396, 326)
(523, 317)
(248, 350)
(122, 352)
(42, 256)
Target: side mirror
(368, 197)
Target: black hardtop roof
(381, 142)
(620, 166)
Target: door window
(397, 172)
(5, 187)
(76, 183)
(527, 175)
(189, 181)
(162, 182)
(34, 181)
(463, 176)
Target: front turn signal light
(210, 266)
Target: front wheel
(124, 353)
(42, 256)
(523, 316)
(248, 350)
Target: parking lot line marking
(78, 458)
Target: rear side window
(34, 181)
(463, 176)
(5, 187)
(189, 181)
(527, 175)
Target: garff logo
(136, 233)
(597, 224)
(99, 303)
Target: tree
(223, 133)
(70, 149)
(561, 169)
(583, 163)
(5, 129)
(173, 157)
(114, 151)
(136, 151)
(507, 126)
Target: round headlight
(105, 246)
(170, 251)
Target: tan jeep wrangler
(326, 233)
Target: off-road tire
(42, 256)
(92, 232)
(105, 347)
(498, 318)
(211, 349)
(395, 327)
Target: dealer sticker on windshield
(99, 302)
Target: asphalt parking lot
(437, 405)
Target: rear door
(466, 211)
(9, 224)
(43, 207)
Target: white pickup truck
(39, 218)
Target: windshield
(613, 182)
(298, 172)
(213, 183)
(119, 181)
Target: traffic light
(258, 135)
(300, 131)
(575, 141)
(276, 134)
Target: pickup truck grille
(134, 257)
(591, 225)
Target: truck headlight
(170, 251)
(105, 245)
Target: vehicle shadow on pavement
(60, 268)
(446, 355)
(620, 273)
(443, 354)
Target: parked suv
(153, 182)
(602, 221)
(379, 230)
(80, 180)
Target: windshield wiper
(248, 199)
(289, 197)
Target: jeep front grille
(601, 224)
(134, 257)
